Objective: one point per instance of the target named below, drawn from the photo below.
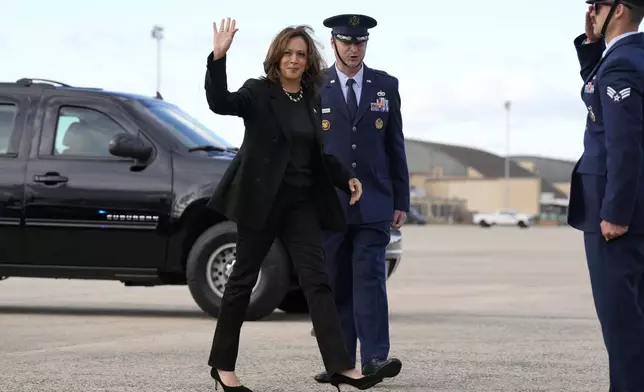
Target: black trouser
(295, 220)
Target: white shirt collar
(343, 78)
(614, 40)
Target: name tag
(326, 110)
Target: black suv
(113, 186)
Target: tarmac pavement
(472, 309)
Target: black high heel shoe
(215, 374)
(362, 383)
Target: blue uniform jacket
(608, 180)
(373, 146)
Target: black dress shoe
(365, 382)
(385, 368)
(322, 378)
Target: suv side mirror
(129, 146)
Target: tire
(522, 225)
(294, 302)
(215, 250)
(484, 224)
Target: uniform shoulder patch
(618, 95)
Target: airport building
(449, 183)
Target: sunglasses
(598, 4)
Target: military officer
(607, 186)
(362, 126)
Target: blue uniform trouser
(616, 275)
(356, 262)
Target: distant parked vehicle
(415, 217)
(503, 217)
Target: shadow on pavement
(277, 316)
(86, 311)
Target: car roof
(58, 86)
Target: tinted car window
(84, 132)
(185, 128)
(8, 114)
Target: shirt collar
(343, 78)
(614, 41)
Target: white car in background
(503, 217)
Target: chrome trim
(9, 221)
(91, 224)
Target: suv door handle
(50, 178)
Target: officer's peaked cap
(350, 27)
(636, 3)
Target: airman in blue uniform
(607, 185)
(362, 126)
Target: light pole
(508, 105)
(157, 34)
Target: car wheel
(211, 261)
(294, 302)
(484, 224)
(522, 225)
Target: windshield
(184, 127)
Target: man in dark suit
(607, 187)
(362, 126)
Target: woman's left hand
(356, 190)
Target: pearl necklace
(296, 99)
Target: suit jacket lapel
(280, 110)
(335, 92)
(368, 90)
(315, 115)
(623, 41)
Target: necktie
(352, 101)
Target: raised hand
(590, 32)
(223, 37)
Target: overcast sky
(457, 61)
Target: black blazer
(247, 190)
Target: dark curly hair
(312, 78)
